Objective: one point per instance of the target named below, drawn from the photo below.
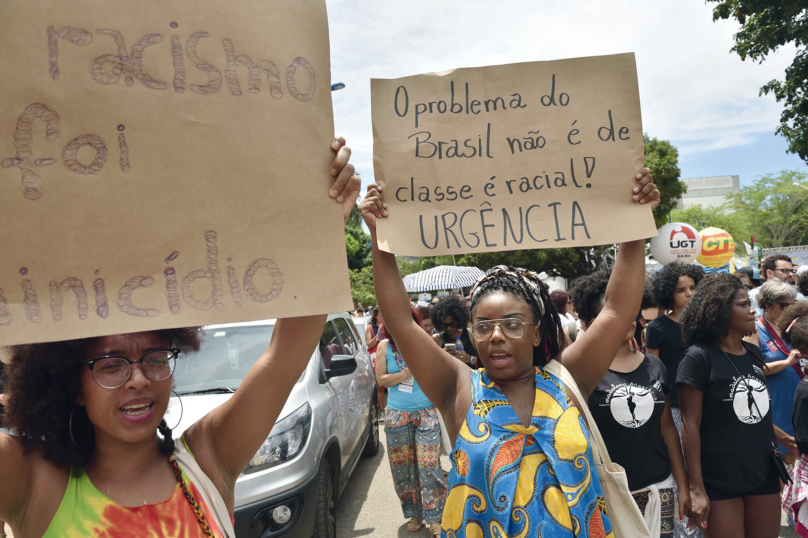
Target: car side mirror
(341, 365)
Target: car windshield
(223, 360)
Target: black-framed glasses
(511, 327)
(784, 305)
(452, 325)
(784, 270)
(111, 371)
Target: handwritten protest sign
(521, 156)
(161, 160)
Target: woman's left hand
(463, 356)
(347, 184)
(684, 503)
(645, 192)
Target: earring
(70, 427)
(182, 409)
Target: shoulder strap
(599, 451)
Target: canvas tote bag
(624, 514)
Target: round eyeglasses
(511, 327)
(111, 372)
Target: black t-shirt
(736, 442)
(799, 415)
(627, 408)
(665, 335)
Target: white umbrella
(443, 277)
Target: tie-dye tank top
(511, 481)
(86, 512)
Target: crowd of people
(693, 383)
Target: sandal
(434, 530)
(414, 525)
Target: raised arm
(226, 439)
(15, 473)
(589, 357)
(440, 376)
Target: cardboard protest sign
(521, 156)
(161, 161)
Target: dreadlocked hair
(549, 322)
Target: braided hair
(525, 285)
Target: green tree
(357, 242)
(662, 158)
(766, 26)
(362, 286)
(777, 209)
(737, 223)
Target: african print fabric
(413, 445)
(509, 480)
(666, 499)
(86, 512)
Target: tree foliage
(357, 242)
(738, 223)
(767, 25)
(362, 286)
(777, 210)
(662, 158)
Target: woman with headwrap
(522, 462)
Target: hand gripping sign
(510, 157)
(155, 159)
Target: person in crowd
(435, 301)
(372, 339)
(802, 283)
(450, 317)
(650, 310)
(752, 274)
(359, 313)
(631, 407)
(412, 427)
(86, 415)
(522, 462)
(561, 300)
(743, 276)
(783, 371)
(793, 326)
(774, 267)
(727, 427)
(673, 287)
(426, 323)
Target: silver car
(330, 419)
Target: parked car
(291, 485)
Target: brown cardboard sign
(510, 157)
(160, 159)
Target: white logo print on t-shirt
(750, 399)
(631, 405)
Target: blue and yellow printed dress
(512, 481)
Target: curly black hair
(549, 322)
(42, 388)
(797, 335)
(707, 316)
(453, 305)
(648, 299)
(664, 282)
(588, 293)
(770, 263)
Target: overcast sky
(694, 92)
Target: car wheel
(325, 524)
(372, 444)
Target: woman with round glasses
(89, 461)
(631, 406)
(783, 370)
(522, 463)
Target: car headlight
(286, 440)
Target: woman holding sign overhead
(88, 460)
(522, 462)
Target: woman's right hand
(406, 371)
(373, 206)
(699, 508)
(793, 357)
